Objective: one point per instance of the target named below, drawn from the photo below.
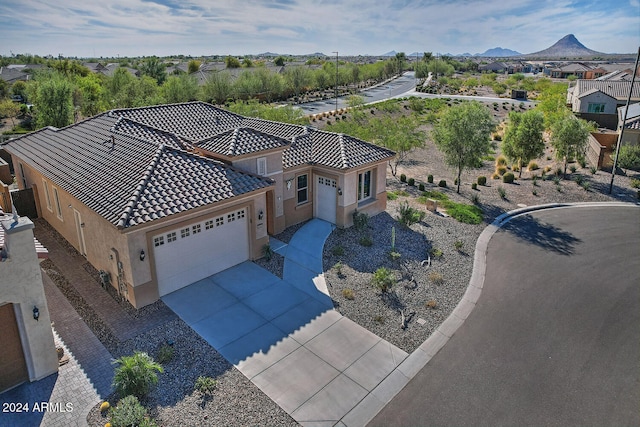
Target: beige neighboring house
(631, 133)
(26, 338)
(160, 197)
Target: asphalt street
(554, 339)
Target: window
(596, 108)
(56, 198)
(241, 214)
(196, 229)
(184, 232)
(262, 166)
(364, 185)
(171, 237)
(231, 217)
(47, 196)
(208, 225)
(303, 189)
(158, 241)
(219, 221)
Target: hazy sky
(88, 28)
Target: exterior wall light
(339, 191)
(260, 214)
(36, 313)
(142, 255)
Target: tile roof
(618, 89)
(239, 141)
(110, 172)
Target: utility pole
(624, 120)
(337, 79)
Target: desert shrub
(495, 175)
(501, 161)
(383, 279)
(474, 186)
(501, 170)
(128, 412)
(411, 182)
(635, 183)
(348, 294)
(436, 278)
(502, 192)
(535, 181)
(403, 177)
(337, 250)
(430, 179)
(366, 241)
(338, 268)
(391, 195)
(135, 374)
(582, 162)
(206, 385)
(593, 170)
(435, 252)
(408, 215)
(532, 166)
(586, 185)
(475, 199)
(482, 180)
(572, 168)
(421, 187)
(534, 192)
(394, 255)
(267, 252)
(556, 180)
(579, 179)
(442, 183)
(508, 178)
(458, 244)
(165, 354)
(360, 220)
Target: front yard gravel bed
(444, 281)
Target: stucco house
(28, 347)
(598, 100)
(160, 197)
(631, 133)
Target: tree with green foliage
(553, 104)
(523, 139)
(440, 68)
(53, 100)
(153, 67)
(218, 87)
(4, 89)
(9, 109)
(253, 108)
(297, 78)
(135, 375)
(463, 136)
(569, 138)
(279, 61)
(400, 60)
(90, 94)
(181, 88)
(232, 62)
(193, 66)
(247, 62)
(628, 157)
(401, 135)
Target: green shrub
(337, 250)
(579, 179)
(135, 374)
(394, 255)
(474, 186)
(582, 162)
(366, 241)
(383, 279)
(421, 187)
(468, 214)
(430, 179)
(458, 244)
(533, 166)
(391, 195)
(482, 180)
(501, 161)
(165, 354)
(409, 215)
(403, 177)
(435, 252)
(593, 170)
(572, 168)
(534, 192)
(267, 253)
(128, 412)
(502, 192)
(411, 182)
(475, 199)
(586, 185)
(442, 183)
(360, 220)
(635, 183)
(206, 385)
(508, 178)
(501, 170)
(535, 181)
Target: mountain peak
(568, 47)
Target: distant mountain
(566, 47)
(498, 52)
(392, 53)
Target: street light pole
(336, 82)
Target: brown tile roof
(618, 89)
(239, 141)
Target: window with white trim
(302, 189)
(158, 241)
(262, 166)
(56, 199)
(364, 185)
(47, 195)
(595, 108)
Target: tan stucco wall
(21, 284)
(582, 104)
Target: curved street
(554, 338)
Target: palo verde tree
(154, 68)
(523, 140)
(463, 136)
(400, 134)
(569, 138)
(53, 99)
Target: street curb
(419, 358)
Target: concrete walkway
(285, 336)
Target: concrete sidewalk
(285, 336)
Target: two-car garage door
(191, 253)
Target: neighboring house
(598, 100)
(631, 133)
(494, 67)
(160, 197)
(28, 348)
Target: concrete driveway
(285, 336)
(553, 339)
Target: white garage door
(188, 254)
(326, 199)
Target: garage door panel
(189, 256)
